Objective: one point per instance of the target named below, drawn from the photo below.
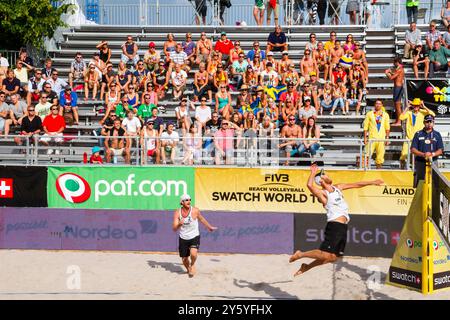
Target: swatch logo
(73, 188)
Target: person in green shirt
(145, 109)
(122, 108)
(412, 10)
(438, 58)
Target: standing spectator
(53, 126)
(412, 39)
(397, 74)
(31, 125)
(258, 12)
(277, 41)
(104, 52)
(17, 111)
(203, 49)
(353, 11)
(201, 86)
(322, 10)
(376, 126)
(200, 11)
(129, 51)
(42, 109)
(169, 143)
(91, 82)
(420, 61)
(115, 143)
(152, 57)
(223, 4)
(4, 65)
(48, 69)
(189, 47)
(95, 157)
(334, 11)
(57, 84)
(224, 45)
(11, 85)
(77, 69)
(445, 14)
(273, 6)
(238, 69)
(150, 142)
(35, 87)
(69, 108)
(178, 79)
(432, 35)
(438, 58)
(202, 115)
(412, 10)
(223, 142)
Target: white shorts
(117, 152)
(58, 138)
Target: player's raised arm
(312, 187)
(360, 184)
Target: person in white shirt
(21, 73)
(332, 199)
(169, 142)
(4, 65)
(43, 107)
(269, 77)
(132, 124)
(412, 39)
(202, 115)
(57, 84)
(178, 78)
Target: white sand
(120, 275)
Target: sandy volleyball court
(120, 275)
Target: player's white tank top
(150, 141)
(336, 205)
(189, 230)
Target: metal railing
(241, 150)
(11, 56)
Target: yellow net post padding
(427, 234)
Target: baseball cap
(149, 121)
(307, 98)
(428, 117)
(312, 73)
(223, 33)
(151, 45)
(67, 87)
(96, 149)
(270, 53)
(285, 52)
(185, 197)
(244, 86)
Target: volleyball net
(440, 191)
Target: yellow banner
(285, 191)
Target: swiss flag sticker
(6, 188)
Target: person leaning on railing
(31, 125)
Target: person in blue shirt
(68, 102)
(426, 146)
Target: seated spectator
(291, 77)
(256, 52)
(69, 108)
(251, 78)
(354, 97)
(438, 58)
(270, 59)
(132, 124)
(235, 52)
(202, 115)
(330, 43)
(316, 87)
(204, 49)
(339, 94)
(445, 14)
(420, 61)
(349, 44)
(52, 96)
(30, 127)
(291, 94)
(223, 143)
(311, 132)
(258, 101)
(21, 73)
(133, 98)
(104, 52)
(158, 121)
(306, 111)
(4, 65)
(48, 69)
(56, 83)
(123, 108)
(169, 46)
(312, 45)
(26, 59)
(35, 87)
(283, 65)
(107, 124)
(189, 47)
(107, 78)
(446, 38)
(42, 109)
(152, 57)
(288, 109)
(53, 126)
(161, 80)
(150, 142)
(112, 98)
(145, 109)
(178, 80)
(11, 85)
(169, 143)
(220, 77)
(150, 90)
(431, 36)
(182, 112)
(244, 100)
(124, 77)
(326, 101)
(223, 102)
(95, 156)
(4, 111)
(277, 40)
(339, 75)
(224, 45)
(179, 57)
(201, 86)
(238, 69)
(100, 65)
(140, 76)
(91, 82)
(412, 39)
(269, 110)
(290, 133)
(358, 75)
(129, 51)
(116, 144)
(266, 128)
(269, 77)
(192, 144)
(17, 111)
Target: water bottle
(115, 160)
(85, 158)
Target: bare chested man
(308, 65)
(336, 53)
(204, 47)
(116, 145)
(360, 56)
(397, 74)
(290, 131)
(321, 57)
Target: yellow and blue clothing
(414, 123)
(376, 124)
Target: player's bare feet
(302, 269)
(191, 271)
(297, 255)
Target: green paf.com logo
(75, 189)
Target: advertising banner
(64, 229)
(286, 191)
(23, 186)
(133, 188)
(435, 93)
(368, 235)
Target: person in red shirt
(53, 126)
(224, 46)
(291, 93)
(338, 73)
(95, 157)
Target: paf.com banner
(286, 191)
(147, 188)
(435, 94)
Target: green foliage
(25, 22)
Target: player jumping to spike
(332, 199)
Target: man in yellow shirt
(376, 126)
(414, 116)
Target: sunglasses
(53, 109)
(54, 74)
(30, 110)
(292, 119)
(203, 100)
(44, 97)
(37, 73)
(429, 121)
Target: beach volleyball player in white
(186, 221)
(332, 199)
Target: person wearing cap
(224, 45)
(150, 142)
(95, 156)
(68, 102)
(129, 51)
(152, 57)
(308, 65)
(169, 143)
(238, 69)
(412, 39)
(377, 127)
(414, 117)
(104, 51)
(420, 61)
(185, 221)
(427, 145)
(277, 40)
(331, 196)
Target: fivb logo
(73, 188)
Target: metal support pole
(157, 12)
